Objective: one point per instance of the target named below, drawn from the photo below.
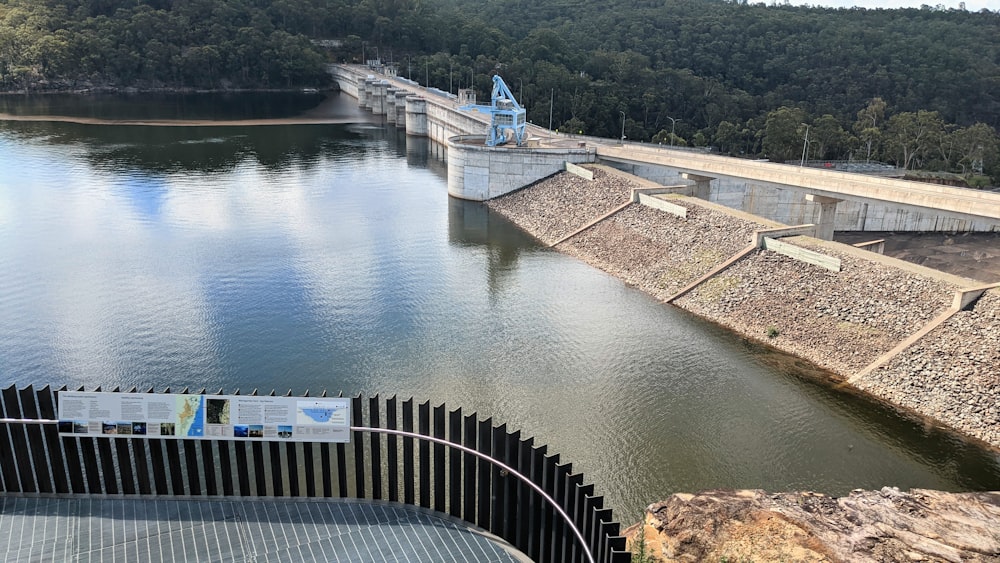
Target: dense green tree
(909, 136)
(784, 133)
(827, 139)
(868, 126)
(201, 43)
(719, 69)
(976, 148)
(728, 137)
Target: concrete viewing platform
(238, 529)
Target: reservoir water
(313, 257)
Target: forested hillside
(919, 88)
(150, 43)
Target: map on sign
(321, 412)
(211, 417)
(190, 415)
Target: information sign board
(215, 417)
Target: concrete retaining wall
(477, 172)
(347, 81)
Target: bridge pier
(416, 116)
(827, 215)
(401, 96)
(390, 105)
(702, 185)
(364, 94)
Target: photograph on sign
(218, 417)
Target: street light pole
(552, 96)
(805, 147)
(623, 125)
(673, 126)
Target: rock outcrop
(865, 526)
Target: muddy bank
(970, 255)
(841, 321)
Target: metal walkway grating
(115, 529)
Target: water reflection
(244, 105)
(473, 223)
(208, 148)
(417, 152)
(338, 262)
(201, 149)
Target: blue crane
(505, 115)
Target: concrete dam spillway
(791, 195)
(663, 221)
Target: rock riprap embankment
(863, 527)
(951, 374)
(557, 206)
(842, 321)
(659, 252)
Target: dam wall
(791, 195)
(475, 171)
(844, 321)
(419, 111)
(478, 173)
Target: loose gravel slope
(842, 321)
(952, 374)
(563, 203)
(659, 252)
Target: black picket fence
(377, 465)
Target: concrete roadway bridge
(795, 195)
(910, 206)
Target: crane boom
(505, 115)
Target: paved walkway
(117, 529)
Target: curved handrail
(436, 440)
(500, 464)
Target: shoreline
(177, 122)
(129, 90)
(842, 322)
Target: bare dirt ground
(971, 255)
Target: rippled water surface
(330, 257)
